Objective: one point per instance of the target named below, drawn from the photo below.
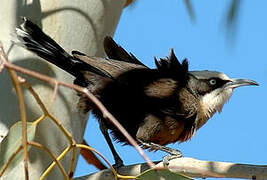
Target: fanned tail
(36, 41)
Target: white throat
(214, 101)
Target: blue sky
(151, 28)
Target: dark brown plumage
(163, 105)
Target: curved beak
(234, 83)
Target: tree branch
(193, 168)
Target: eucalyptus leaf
(12, 142)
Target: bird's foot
(154, 146)
(166, 159)
(173, 153)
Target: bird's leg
(173, 153)
(118, 160)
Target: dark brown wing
(113, 67)
(114, 51)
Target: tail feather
(36, 41)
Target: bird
(157, 106)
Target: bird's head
(214, 89)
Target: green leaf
(12, 142)
(161, 174)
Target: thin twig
(10, 160)
(98, 104)
(22, 108)
(82, 146)
(61, 127)
(72, 162)
(47, 113)
(112, 119)
(55, 92)
(3, 55)
(52, 165)
(42, 147)
(36, 97)
(111, 167)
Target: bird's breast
(160, 131)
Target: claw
(166, 159)
(155, 146)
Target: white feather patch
(215, 100)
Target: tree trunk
(75, 25)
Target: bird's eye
(213, 82)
